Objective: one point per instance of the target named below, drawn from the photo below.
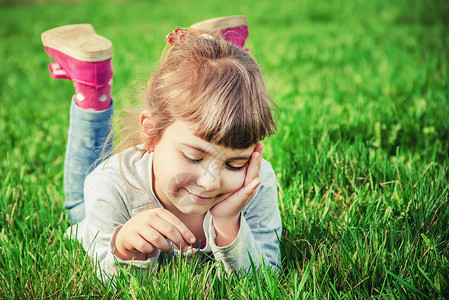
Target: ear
(147, 130)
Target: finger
(254, 165)
(246, 193)
(169, 231)
(186, 234)
(140, 244)
(152, 238)
(259, 148)
(143, 247)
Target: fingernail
(192, 240)
(185, 248)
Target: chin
(193, 210)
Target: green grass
(361, 153)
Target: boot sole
(78, 41)
(221, 23)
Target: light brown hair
(212, 84)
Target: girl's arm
(112, 231)
(259, 228)
(107, 209)
(226, 214)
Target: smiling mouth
(198, 198)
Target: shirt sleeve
(260, 230)
(106, 212)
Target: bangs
(233, 110)
(219, 89)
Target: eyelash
(197, 161)
(191, 160)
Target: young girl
(195, 177)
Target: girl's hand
(226, 214)
(147, 231)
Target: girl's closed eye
(236, 168)
(191, 160)
(231, 167)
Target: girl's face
(192, 175)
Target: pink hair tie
(176, 37)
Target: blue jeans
(87, 146)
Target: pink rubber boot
(83, 57)
(234, 29)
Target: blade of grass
(255, 277)
(405, 283)
(306, 273)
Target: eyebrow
(239, 158)
(209, 153)
(196, 148)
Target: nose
(209, 178)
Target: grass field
(361, 153)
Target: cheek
(169, 171)
(233, 181)
(177, 175)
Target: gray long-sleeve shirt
(121, 187)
